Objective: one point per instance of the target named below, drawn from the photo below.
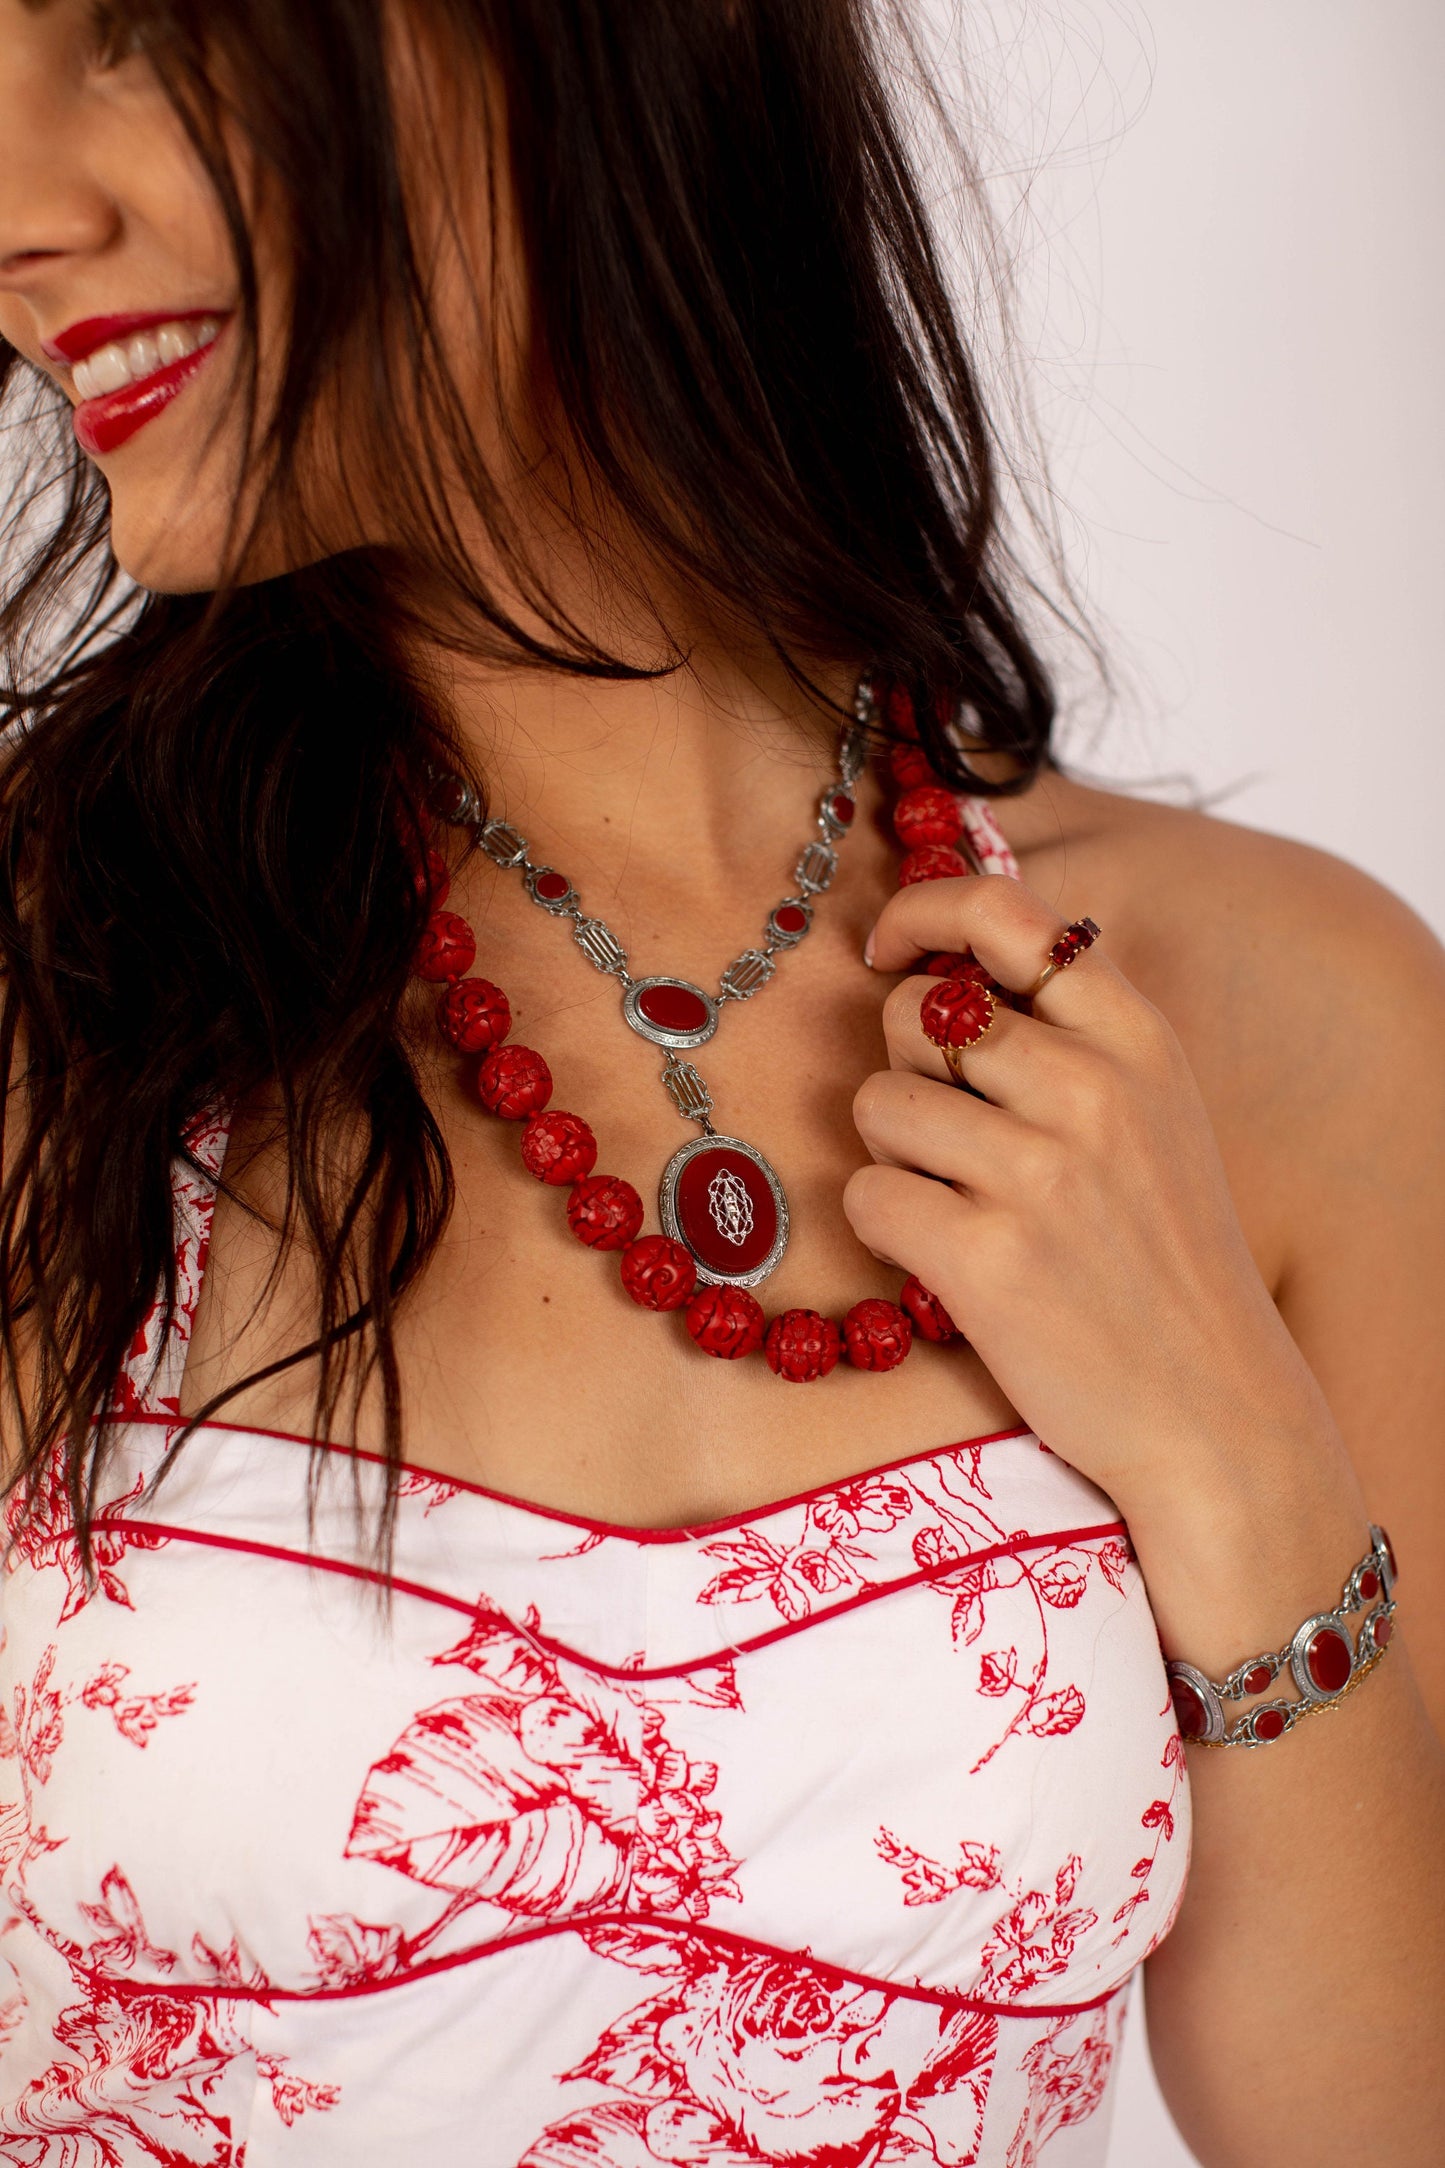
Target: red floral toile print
(538, 1793)
(744, 2060)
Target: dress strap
(986, 838)
(150, 1378)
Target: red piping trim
(622, 1529)
(126, 1524)
(695, 1931)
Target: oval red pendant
(670, 1012)
(723, 1201)
(674, 1006)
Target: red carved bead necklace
(714, 1183)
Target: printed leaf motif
(1159, 1815)
(927, 1881)
(969, 1587)
(122, 1943)
(1052, 1714)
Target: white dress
(824, 1836)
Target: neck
(710, 767)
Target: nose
(52, 208)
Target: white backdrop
(1228, 224)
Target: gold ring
(1070, 945)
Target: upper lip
(80, 340)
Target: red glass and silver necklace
(718, 1196)
(723, 1208)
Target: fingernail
(868, 951)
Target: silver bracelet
(1324, 1657)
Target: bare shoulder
(1309, 999)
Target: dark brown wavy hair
(203, 882)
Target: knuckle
(871, 1101)
(900, 1009)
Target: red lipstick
(102, 425)
(78, 340)
(106, 419)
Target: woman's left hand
(1078, 1227)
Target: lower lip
(103, 425)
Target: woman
(471, 1699)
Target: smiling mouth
(126, 382)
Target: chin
(166, 548)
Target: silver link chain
(748, 973)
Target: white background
(1226, 220)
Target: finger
(1011, 931)
(909, 1121)
(1021, 1065)
(918, 1225)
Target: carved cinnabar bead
(877, 1334)
(927, 1312)
(558, 1148)
(909, 766)
(956, 1012)
(605, 1212)
(928, 814)
(933, 862)
(726, 1321)
(514, 1082)
(447, 948)
(898, 712)
(801, 1346)
(658, 1273)
(474, 1015)
(431, 879)
(951, 964)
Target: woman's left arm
(1084, 1236)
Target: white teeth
(142, 354)
(130, 361)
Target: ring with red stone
(1070, 945)
(956, 1014)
